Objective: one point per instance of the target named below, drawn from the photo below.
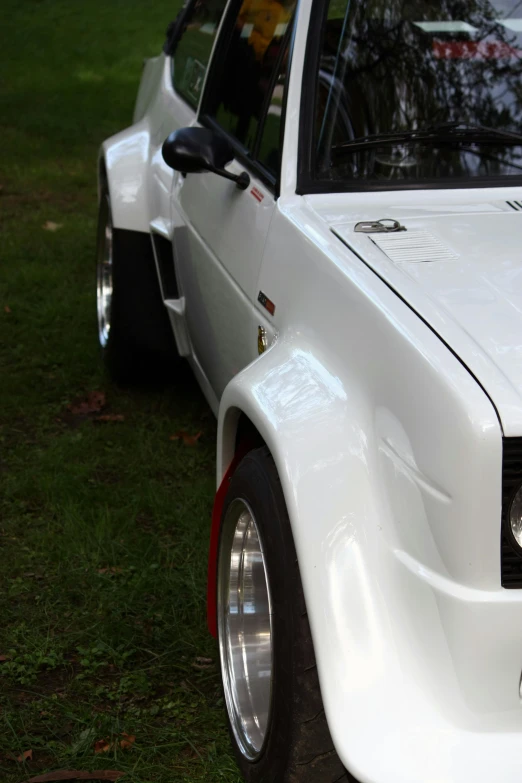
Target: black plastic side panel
(165, 259)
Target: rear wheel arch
(124, 167)
(133, 326)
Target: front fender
(396, 628)
(318, 433)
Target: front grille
(511, 554)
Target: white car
(319, 206)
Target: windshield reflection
(404, 64)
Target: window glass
(269, 150)
(192, 53)
(446, 75)
(254, 55)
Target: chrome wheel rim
(245, 629)
(104, 282)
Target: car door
(218, 253)
(189, 44)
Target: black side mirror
(193, 150)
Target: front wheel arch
(291, 741)
(238, 435)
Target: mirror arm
(242, 180)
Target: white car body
(384, 396)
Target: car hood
(460, 268)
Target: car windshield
(390, 68)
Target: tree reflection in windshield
(389, 65)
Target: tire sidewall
(255, 483)
(140, 348)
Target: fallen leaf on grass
(110, 417)
(202, 663)
(93, 403)
(128, 741)
(7, 309)
(73, 774)
(50, 226)
(186, 437)
(102, 746)
(4, 658)
(27, 755)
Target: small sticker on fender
(266, 302)
(257, 194)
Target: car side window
(192, 52)
(245, 83)
(269, 144)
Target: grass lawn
(103, 525)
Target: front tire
(275, 712)
(134, 330)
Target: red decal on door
(257, 194)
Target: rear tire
(279, 734)
(134, 330)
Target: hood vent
(516, 205)
(413, 247)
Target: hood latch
(383, 226)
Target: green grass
(103, 526)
